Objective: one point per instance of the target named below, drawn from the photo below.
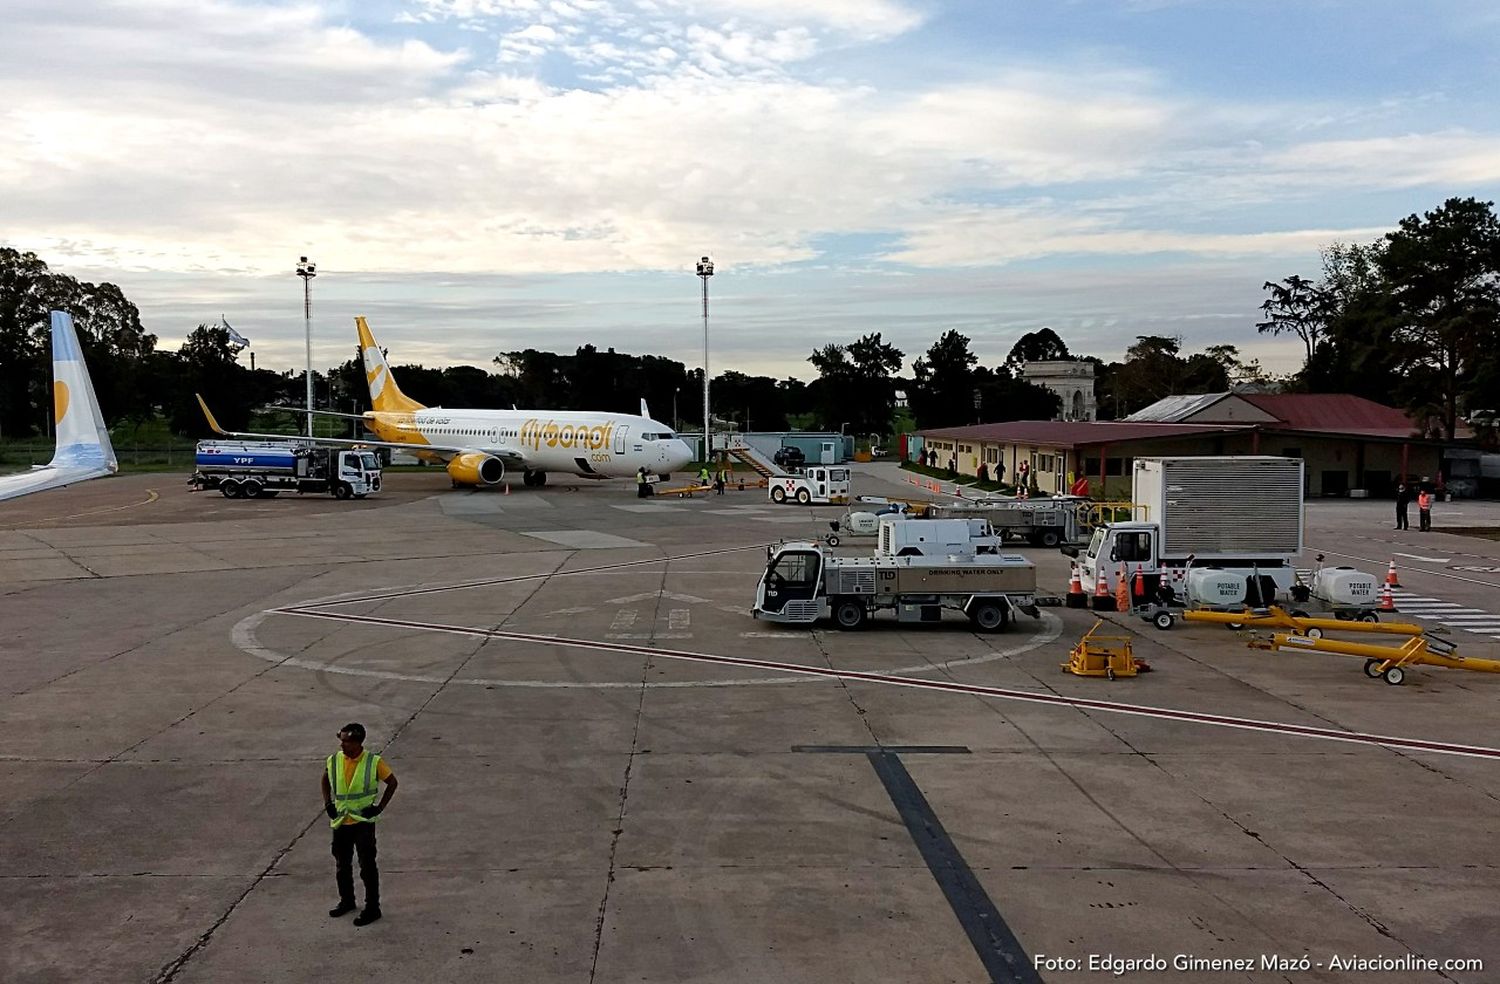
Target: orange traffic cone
(1122, 591)
(1076, 597)
(1138, 586)
(1387, 601)
(1390, 575)
(1103, 600)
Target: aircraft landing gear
(533, 478)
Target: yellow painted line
(151, 496)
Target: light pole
(307, 271)
(676, 421)
(706, 270)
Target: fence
(22, 456)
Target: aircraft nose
(680, 454)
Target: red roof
(1073, 433)
(1338, 413)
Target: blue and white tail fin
(83, 449)
(82, 438)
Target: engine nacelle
(475, 468)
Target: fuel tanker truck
(265, 469)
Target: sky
(477, 176)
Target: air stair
(741, 450)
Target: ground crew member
(1403, 499)
(1424, 510)
(642, 487)
(351, 779)
(703, 476)
(720, 478)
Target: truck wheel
(1369, 617)
(988, 616)
(251, 490)
(1162, 620)
(341, 491)
(229, 489)
(1394, 675)
(833, 539)
(1370, 670)
(803, 497)
(778, 495)
(1050, 538)
(849, 614)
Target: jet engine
(475, 468)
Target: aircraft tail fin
(645, 411)
(384, 393)
(82, 438)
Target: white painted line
(648, 635)
(624, 619)
(584, 539)
(1426, 560)
(948, 686)
(679, 618)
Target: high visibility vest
(640, 478)
(362, 791)
(1424, 501)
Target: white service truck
(1206, 526)
(902, 537)
(804, 582)
(264, 469)
(817, 485)
(1041, 522)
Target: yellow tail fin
(385, 395)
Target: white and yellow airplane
(83, 449)
(480, 446)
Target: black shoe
(367, 917)
(342, 909)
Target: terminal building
(1351, 446)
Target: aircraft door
(620, 439)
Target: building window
(992, 455)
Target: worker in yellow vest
(351, 782)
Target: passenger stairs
(741, 450)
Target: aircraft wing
(441, 450)
(43, 477)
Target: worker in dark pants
(1424, 510)
(351, 780)
(1403, 499)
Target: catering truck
(1201, 526)
(265, 469)
(804, 582)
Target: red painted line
(1082, 703)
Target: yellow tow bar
(1386, 662)
(1280, 618)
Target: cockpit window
(658, 436)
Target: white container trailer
(1242, 514)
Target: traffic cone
(1387, 600)
(1103, 600)
(1076, 597)
(507, 488)
(1390, 575)
(1122, 591)
(1138, 586)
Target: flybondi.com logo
(535, 433)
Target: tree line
(1409, 320)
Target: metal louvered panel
(1248, 506)
(857, 581)
(802, 611)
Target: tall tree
(943, 394)
(1442, 272)
(1296, 306)
(856, 384)
(1042, 345)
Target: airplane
(478, 447)
(83, 450)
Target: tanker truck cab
(790, 588)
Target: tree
(856, 384)
(1036, 346)
(1296, 306)
(1442, 274)
(943, 394)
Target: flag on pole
(235, 338)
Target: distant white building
(1073, 381)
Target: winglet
(210, 415)
(644, 411)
